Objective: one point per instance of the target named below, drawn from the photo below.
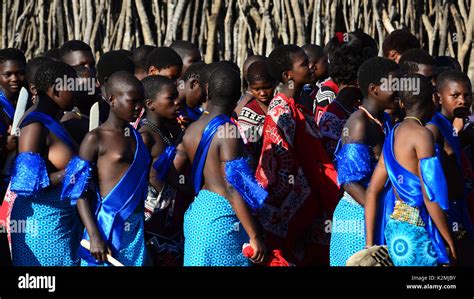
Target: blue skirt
(347, 231)
(48, 230)
(213, 235)
(133, 250)
(409, 245)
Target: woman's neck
(156, 119)
(113, 122)
(372, 107)
(47, 106)
(291, 90)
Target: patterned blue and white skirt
(347, 231)
(133, 251)
(409, 245)
(47, 232)
(213, 235)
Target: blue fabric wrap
(76, 180)
(121, 201)
(387, 124)
(6, 106)
(52, 125)
(163, 164)
(408, 187)
(354, 163)
(29, 174)
(201, 152)
(447, 130)
(239, 175)
(193, 113)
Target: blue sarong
(213, 235)
(354, 163)
(413, 238)
(53, 227)
(119, 215)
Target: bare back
(224, 146)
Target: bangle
(368, 246)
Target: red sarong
(301, 181)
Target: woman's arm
(374, 190)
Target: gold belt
(406, 213)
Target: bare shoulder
(355, 127)
(32, 137)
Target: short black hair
(163, 57)
(53, 54)
(314, 52)
(73, 46)
(373, 70)
(447, 62)
(49, 72)
(281, 60)
(452, 76)
(401, 41)
(32, 67)
(365, 41)
(112, 62)
(128, 53)
(207, 71)
(346, 62)
(120, 79)
(412, 58)
(12, 54)
(194, 70)
(258, 71)
(140, 55)
(412, 97)
(224, 87)
(153, 84)
(182, 47)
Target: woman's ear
(111, 101)
(153, 70)
(373, 89)
(149, 104)
(194, 83)
(286, 76)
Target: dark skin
(191, 57)
(191, 92)
(247, 96)
(262, 91)
(36, 138)
(453, 95)
(428, 71)
(84, 58)
(412, 142)
(164, 107)
(112, 150)
(359, 128)
(294, 79)
(220, 151)
(172, 72)
(12, 79)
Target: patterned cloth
(53, 230)
(301, 182)
(409, 245)
(250, 124)
(331, 123)
(325, 95)
(348, 231)
(133, 251)
(213, 235)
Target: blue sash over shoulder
(447, 130)
(163, 164)
(238, 173)
(408, 188)
(113, 210)
(6, 106)
(52, 125)
(29, 170)
(201, 153)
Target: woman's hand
(99, 249)
(259, 250)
